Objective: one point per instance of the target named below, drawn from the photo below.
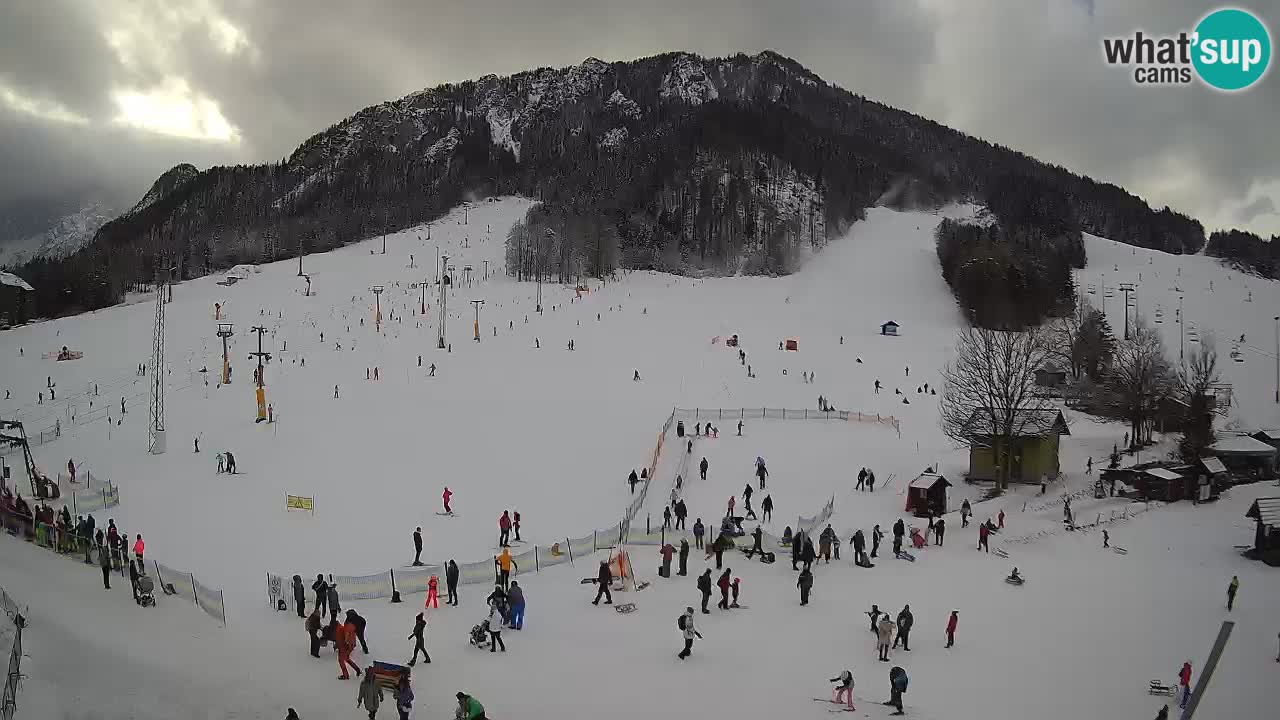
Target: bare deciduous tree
(1139, 378)
(989, 394)
(1195, 388)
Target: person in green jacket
(469, 708)
(1231, 592)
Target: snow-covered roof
(1026, 423)
(1242, 445)
(14, 281)
(1163, 473)
(1273, 435)
(1213, 465)
(241, 271)
(890, 323)
(928, 480)
(1267, 510)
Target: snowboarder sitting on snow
(844, 686)
(786, 535)
(1014, 577)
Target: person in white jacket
(689, 632)
(884, 636)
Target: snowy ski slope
(518, 421)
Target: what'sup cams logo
(1229, 50)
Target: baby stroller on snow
(480, 634)
(146, 591)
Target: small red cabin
(928, 492)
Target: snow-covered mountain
(676, 162)
(174, 178)
(65, 235)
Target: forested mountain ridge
(674, 162)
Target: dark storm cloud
(1026, 73)
(1262, 206)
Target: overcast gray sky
(114, 92)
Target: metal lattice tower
(155, 415)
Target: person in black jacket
(805, 583)
(859, 543)
(417, 546)
(757, 536)
(335, 606)
(603, 580)
(807, 556)
(797, 549)
(419, 644)
(322, 593)
(451, 581)
(632, 479)
(354, 618)
(704, 587)
(105, 561)
(702, 467)
(766, 507)
(905, 620)
(299, 596)
(314, 631)
(684, 557)
(899, 529)
(939, 530)
(133, 579)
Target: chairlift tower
(224, 332)
(1126, 288)
(377, 299)
(477, 304)
(444, 301)
(155, 411)
(259, 379)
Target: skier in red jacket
(951, 627)
(1184, 679)
(447, 494)
(504, 529)
(723, 583)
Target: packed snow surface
(518, 421)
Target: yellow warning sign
(298, 502)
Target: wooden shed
(1247, 458)
(927, 493)
(1034, 454)
(1265, 512)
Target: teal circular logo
(1232, 49)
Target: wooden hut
(927, 493)
(1265, 512)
